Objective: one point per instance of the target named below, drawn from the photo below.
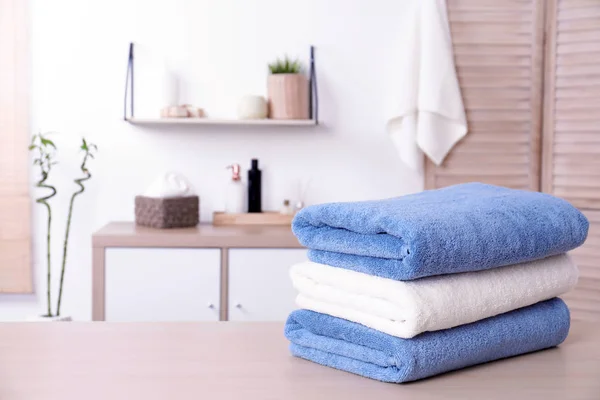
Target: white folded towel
(429, 115)
(407, 308)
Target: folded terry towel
(460, 228)
(405, 309)
(352, 347)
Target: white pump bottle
(235, 192)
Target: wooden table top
(128, 234)
(229, 360)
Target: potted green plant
(287, 88)
(44, 158)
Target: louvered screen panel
(15, 205)
(584, 301)
(498, 51)
(572, 124)
(571, 142)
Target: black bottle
(254, 188)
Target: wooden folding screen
(571, 141)
(498, 50)
(514, 88)
(15, 242)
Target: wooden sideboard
(193, 274)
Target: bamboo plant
(45, 150)
(88, 152)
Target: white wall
(220, 48)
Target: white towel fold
(407, 308)
(429, 115)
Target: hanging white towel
(429, 115)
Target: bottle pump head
(254, 163)
(235, 171)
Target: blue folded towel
(352, 347)
(461, 228)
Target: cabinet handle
(238, 305)
(211, 306)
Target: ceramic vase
(252, 107)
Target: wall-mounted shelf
(224, 122)
(129, 104)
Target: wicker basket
(173, 212)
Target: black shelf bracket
(129, 84)
(313, 94)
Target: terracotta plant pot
(288, 96)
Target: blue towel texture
(352, 347)
(461, 228)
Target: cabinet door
(260, 288)
(498, 48)
(162, 284)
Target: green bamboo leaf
(32, 146)
(47, 142)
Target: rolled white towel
(408, 308)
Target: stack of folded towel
(405, 288)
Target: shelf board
(226, 122)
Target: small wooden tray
(263, 218)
